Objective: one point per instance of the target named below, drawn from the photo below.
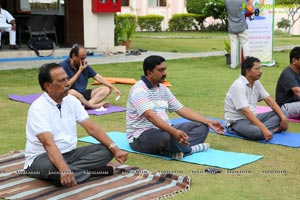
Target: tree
(195, 6)
(292, 9)
(212, 8)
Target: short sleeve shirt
(44, 116)
(82, 81)
(143, 97)
(241, 95)
(286, 81)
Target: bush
(150, 22)
(119, 18)
(183, 22)
(284, 23)
(119, 28)
(195, 6)
(212, 8)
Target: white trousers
(12, 35)
(234, 42)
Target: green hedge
(129, 17)
(150, 22)
(184, 22)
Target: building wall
(141, 8)
(281, 13)
(98, 29)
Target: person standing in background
(237, 28)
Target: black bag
(41, 43)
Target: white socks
(200, 147)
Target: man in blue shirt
(79, 72)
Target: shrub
(183, 22)
(284, 23)
(150, 22)
(119, 32)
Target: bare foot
(92, 106)
(105, 104)
(277, 130)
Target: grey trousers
(156, 141)
(79, 160)
(293, 109)
(245, 128)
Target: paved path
(120, 58)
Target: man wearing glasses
(79, 72)
(240, 105)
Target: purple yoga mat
(32, 97)
(263, 109)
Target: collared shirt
(45, 116)
(241, 95)
(143, 97)
(82, 81)
(5, 18)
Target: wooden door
(74, 33)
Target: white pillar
(98, 29)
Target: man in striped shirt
(149, 129)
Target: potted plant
(227, 49)
(127, 30)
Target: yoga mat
(128, 182)
(37, 58)
(284, 138)
(32, 97)
(211, 157)
(129, 81)
(263, 109)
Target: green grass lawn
(187, 42)
(199, 83)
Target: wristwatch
(112, 145)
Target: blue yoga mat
(284, 138)
(211, 157)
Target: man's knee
(251, 132)
(202, 128)
(256, 135)
(102, 151)
(166, 137)
(107, 90)
(40, 167)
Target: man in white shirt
(240, 105)
(51, 132)
(8, 24)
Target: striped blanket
(126, 183)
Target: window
(162, 2)
(47, 7)
(125, 2)
(155, 3)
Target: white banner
(260, 31)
